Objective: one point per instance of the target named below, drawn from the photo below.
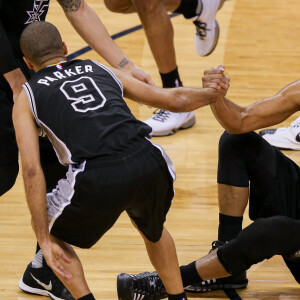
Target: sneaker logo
(48, 287)
(298, 137)
(138, 296)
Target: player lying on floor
(274, 199)
(112, 164)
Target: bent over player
(14, 17)
(112, 165)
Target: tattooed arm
(91, 29)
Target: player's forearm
(91, 29)
(229, 115)
(175, 99)
(188, 99)
(15, 79)
(266, 112)
(35, 189)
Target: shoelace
(201, 28)
(162, 115)
(295, 125)
(149, 285)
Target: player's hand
(56, 258)
(139, 74)
(216, 78)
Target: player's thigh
(85, 205)
(153, 194)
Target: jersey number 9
(84, 93)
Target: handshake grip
(216, 78)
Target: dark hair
(41, 41)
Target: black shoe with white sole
(227, 283)
(43, 282)
(144, 286)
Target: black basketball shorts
(8, 144)
(90, 199)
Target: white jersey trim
(63, 160)
(167, 158)
(61, 196)
(31, 101)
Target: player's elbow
(30, 172)
(237, 126)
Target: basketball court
(259, 46)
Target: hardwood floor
(259, 45)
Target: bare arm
(175, 99)
(34, 181)
(266, 112)
(16, 79)
(88, 25)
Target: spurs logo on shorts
(39, 7)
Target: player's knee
(229, 149)
(229, 141)
(282, 233)
(261, 240)
(8, 176)
(119, 6)
(231, 145)
(269, 236)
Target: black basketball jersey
(15, 15)
(80, 106)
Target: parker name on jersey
(65, 73)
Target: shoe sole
(283, 146)
(120, 287)
(217, 32)
(34, 291)
(226, 286)
(190, 123)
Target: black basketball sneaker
(42, 281)
(144, 286)
(148, 286)
(227, 283)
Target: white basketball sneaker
(207, 28)
(167, 123)
(286, 138)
